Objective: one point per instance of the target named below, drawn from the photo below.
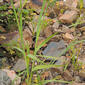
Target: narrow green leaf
(54, 80)
(50, 57)
(34, 58)
(45, 41)
(71, 44)
(39, 23)
(81, 4)
(38, 67)
(19, 49)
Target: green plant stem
(15, 14)
(38, 25)
(21, 32)
(22, 41)
(37, 36)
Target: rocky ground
(67, 47)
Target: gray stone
(84, 3)
(67, 76)
(54, 48)
(75, 83)
(58, 70)
(61, 60)
(20, 65)
(16, 80)
(1, 1)
(56, 24)
(4, 79)
(82, 74)
(77, 79)
(68, 17)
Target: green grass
(34, 57)
(81, 4)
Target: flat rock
(54, 48)
(68, 17)
(60, 84)
(14, 38)
(61, 61)
(9, 37)
(4, 79)
(1, 1)
(77, 79)
(20, 65)
(82, 73)
(66, 29)
(68, 36)
(84, 3)
(56, 24)
(72, 3)
(47, 32)
(16, 80)
(67, 76)
(77, 83)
